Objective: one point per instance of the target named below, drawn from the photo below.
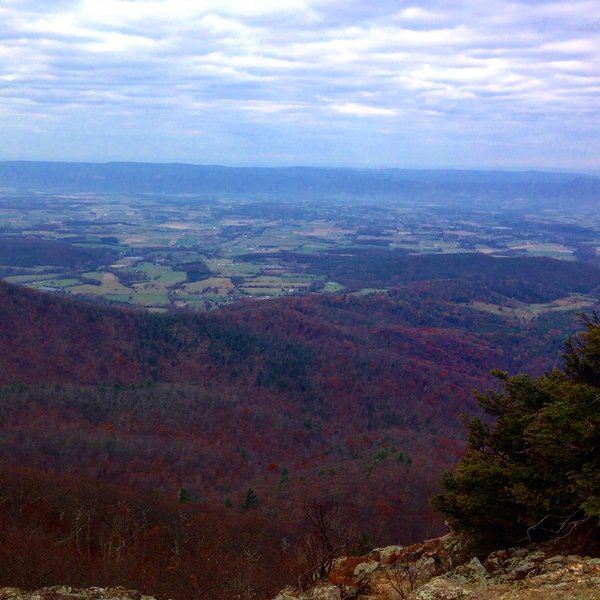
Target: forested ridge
(296, 182)
(204, 427)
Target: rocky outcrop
(442, 569)
(438, 569)
(68, 593)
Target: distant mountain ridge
(297, 182)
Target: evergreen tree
(283, 478)
(251, 500)
(532, 472)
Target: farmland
(186, 251)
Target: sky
(378, 83)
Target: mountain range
(297, 182)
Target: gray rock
(438, 589)
(364, 569)
(472, 572)
(522, 566)
(389, 553)
(325, 591)
(287, 593)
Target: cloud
(317, 69)
(362, 110)
(412, 14)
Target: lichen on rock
(440, 569)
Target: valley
(177, 250)
(185, 375)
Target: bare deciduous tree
(402, 577)
(327, 540)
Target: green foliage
(534, 473)
(283, 478)
(380, 456)
(403, 457)
(251, 500)
(362, 545)
(582, 359)
(186, 495)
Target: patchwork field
(179, 251)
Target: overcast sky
(367, 83)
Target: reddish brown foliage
(357, 398)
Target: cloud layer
(500, 83)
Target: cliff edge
(441, 569)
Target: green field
(179, 253)
(523, 311)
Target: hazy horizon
(325, 167)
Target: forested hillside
(240, 418)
